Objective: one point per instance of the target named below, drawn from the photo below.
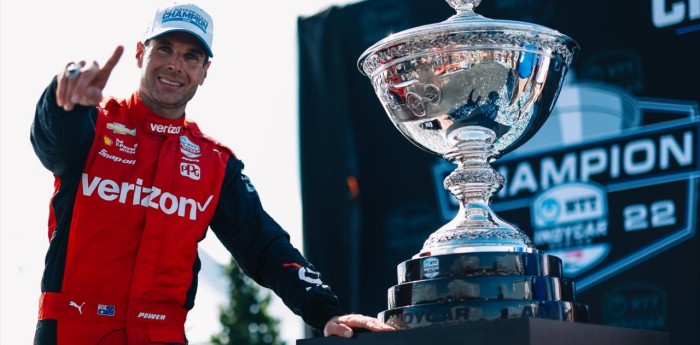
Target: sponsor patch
(306, 274)
(118, 128)
(190, 170)
(164, 129)
(145, 196)
(77, 306)
(151, 316)
(117, 159)
(123, 147)
(105, 309)
(188, 148)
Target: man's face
(172, 67)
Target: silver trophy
(471, 89)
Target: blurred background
(285, 93)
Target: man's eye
(191, 57)
(165, 49)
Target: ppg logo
(190, 170)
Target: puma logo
(76, 306)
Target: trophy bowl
(470, 89)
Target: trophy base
(476, 286)
(467, 311)
(479, 264)
(449, 290)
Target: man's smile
(169, 82)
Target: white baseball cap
(184, 17)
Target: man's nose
(175, 63)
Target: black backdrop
(368, 195)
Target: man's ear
(204, 76)
(140, 50)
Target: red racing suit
(134, 194)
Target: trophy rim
(454, 49)
(469, 32)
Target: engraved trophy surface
(471, 89)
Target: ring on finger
(72, 71)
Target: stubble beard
(163, 102)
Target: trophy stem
(465, 9)
(476, 228)
(464, 5)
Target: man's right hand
(342, 326)
(85, 88)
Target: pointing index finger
(112, 61)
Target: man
(137, 186)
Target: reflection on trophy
(471, 89)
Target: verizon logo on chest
(136, 194)
(164, 129)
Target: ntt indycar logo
(136, 194)
(572, 215)
(188, 148)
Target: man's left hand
(342, 326)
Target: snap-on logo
(165, 129)
(117, 159)
(190, 170)
(136, 194)
(188, 148)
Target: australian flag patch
(106, 310)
